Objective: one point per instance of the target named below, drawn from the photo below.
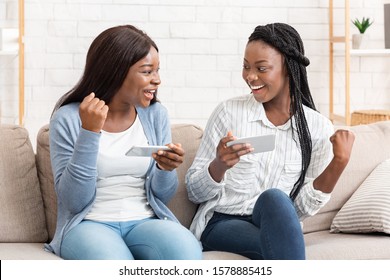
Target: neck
(278, 111)
(120, 119)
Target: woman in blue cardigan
(113, 206)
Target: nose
(156, 79)
(251, 76)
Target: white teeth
(256, 87)
(151, 91)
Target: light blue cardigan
(73, 153)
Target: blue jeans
(148, 239)
(272, 232)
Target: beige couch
(28, 201)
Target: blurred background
(201, 47)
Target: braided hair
(287, 41)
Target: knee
(185, 245)
(273, 197)
(177, 242)
(273, 202)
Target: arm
(342, 142)
(164, 179)
(205, 178)
(324, 171)
(73, 153)
(74, 149)
(168, 160)
(200, 185)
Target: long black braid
(286, 40)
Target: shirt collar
(256, 112)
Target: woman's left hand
(169, 159)
(342, 141)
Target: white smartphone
(261, 144)
(145, 151)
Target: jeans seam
(267, 242)
(145, 245)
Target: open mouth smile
(149, 93)
(256, 87)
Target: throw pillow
(22, 216)
(368, 209)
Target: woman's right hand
(93, 113)
(227, 156)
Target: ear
(285, 67)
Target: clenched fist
(93, 113)
(342, 141)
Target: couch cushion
(323, 245)
(371, 147)
(25, 251)
(368, 209)
(189, 136)
(219, 255)
(22, 218)
(46, 181)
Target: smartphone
(261, 144)
(145, 151)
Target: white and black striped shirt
(237, 193)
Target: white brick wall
(201, 46)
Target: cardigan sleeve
(163, 183)
(73, 153)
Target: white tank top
(120, 192)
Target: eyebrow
(146, 65)
(259, 61)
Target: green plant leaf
(363, 24)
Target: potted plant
(362, 26)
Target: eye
(246, 67)
(147, 72)
(261, 69)
(150, 72)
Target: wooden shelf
(347, 53)
(370, 52)
(21, 61)
(18, 51)
(8, 53)
(363, 52)
(344, 40)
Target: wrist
(340, 161)
(158, 166)
(215, 171)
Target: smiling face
(141, 82)
(265, 73)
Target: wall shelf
(8, 53)
(363, 52)
(347, 53)
(18, 51)
(346, 118)
(21, 61)
(370, 52)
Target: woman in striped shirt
(252, 203)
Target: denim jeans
(148, 239)
(272, 232)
